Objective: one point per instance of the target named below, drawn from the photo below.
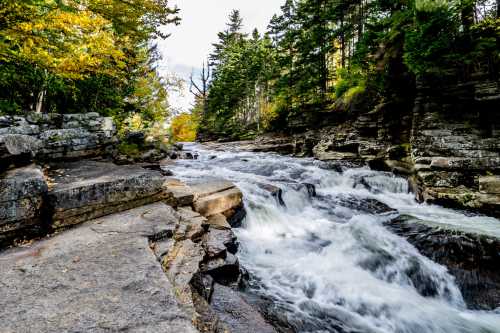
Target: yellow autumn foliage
(68, 43)
(183, 128)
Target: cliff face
(448, 144)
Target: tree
(183, 127)
(83, 55)
(200, 90)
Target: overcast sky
(191, 41)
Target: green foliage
(83, 56)
(129, 149)
(347, 81)
(318, 52)
(430, 43)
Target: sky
(191, 42)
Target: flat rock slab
(87, 189)
(205, 189)
(99, 277)
(219, 202)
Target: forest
(81, 56)
(323, 55)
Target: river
(326, 262)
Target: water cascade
(317, 250)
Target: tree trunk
(342, 40)
(39, 101)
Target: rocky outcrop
(48, 137)
(445, 140)
(84, 190)
(471, 257)
(237, 313)
(17, 150)
(101, 276)
(153, 267)
(22, 192)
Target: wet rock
(88, 189)
(224, 270)
(101, 276)
(235, 216)
(461, 163)
(21, 197)
(152, 155)
(157, 167)
(335, 155)
(236, 313)
(204, 285)
(365, 205)
(275, 192)
(334, 166)
(188, 155)
(472, 258)
(311, 189)
(464, 198)
(216, 242)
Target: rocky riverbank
(104, 246)
(447, 142)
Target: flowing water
(326, 262)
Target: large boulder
(216, 197)
(101, 276)
(85, 190)
(219, 202)
(471, 255)
(21, 196)
(17, 149)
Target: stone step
(85, 190)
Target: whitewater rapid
(325, 263)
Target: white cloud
(191, 42)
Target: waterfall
(324, 259)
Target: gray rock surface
(99, 277)
(55, 137)
(236, 313)
(17, 144)
(85, 190)
(21, 196)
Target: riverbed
(317, 250)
